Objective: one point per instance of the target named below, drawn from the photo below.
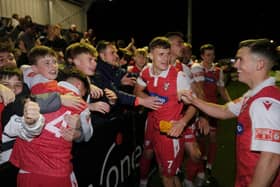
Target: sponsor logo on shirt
(161, 99)
(209, 79)
(239, 128)
(267, 134)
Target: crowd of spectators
(111, 67)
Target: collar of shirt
(162, 74)
(268, 82)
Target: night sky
(222, 23)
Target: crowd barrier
(111, 157)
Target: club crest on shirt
(239, 128)
(267, 104)
(166, 86)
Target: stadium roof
(77, 2)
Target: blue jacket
(109, 76)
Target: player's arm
(142, 98)
(224, 93)
(266, 169)
(212, 109)
(139, 90)
(183, 83)
(267, 166)
(178, 126)
(79, 127)
(73, 131)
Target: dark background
(222, 23)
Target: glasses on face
(12, 84)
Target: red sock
(192, 168)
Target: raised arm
(28, 126)
(212, 109)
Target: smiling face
(47, 66)
(13, 83)
(246, 65)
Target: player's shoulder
(147, 67)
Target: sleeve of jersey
(235, 106)
(31, 78)
(198, 73)
(264, 113)
(188, 72)
(17, 128)
(183, 81)
(86, 126)
(140, 81)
